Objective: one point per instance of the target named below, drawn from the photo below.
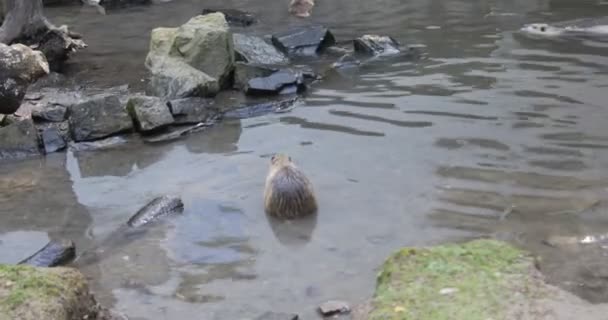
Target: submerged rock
(376, 45)
(258, 109)
(157, 208)
(98, 117)
(235, 17)
(149, 113)
(255, 50)
(280, 82)
(19, 140)
(202, 49)
(243, 72)
(54, 253)
(19, 67)
(102, 144)
(31, 293)
(277, 316)
(192, 110)
(306, 40)
(334, 307)
(52, 140)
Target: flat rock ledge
(477, 280)
(30, 293)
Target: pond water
(489, 134)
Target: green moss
(485, 273)
(19, 284)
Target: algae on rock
(478, 280)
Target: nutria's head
(280, 159)
(301, 8)
(541, 29)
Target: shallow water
(489, 134)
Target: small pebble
(334, 307)
(446, 291)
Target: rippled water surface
(488, 134)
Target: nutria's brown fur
(301, 8)
(288, 193)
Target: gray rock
(98, 117)
(235, 17)
(334, 307)
(306, 40)
(175, 79)
(375, 45)
(103, 144)
(149, 113)
(192, 110)
(277, 316)
(19, 67)
(275, 83)
(255, 50)
(52, 140)
(51, 113)
(19, 140)
(243, 72)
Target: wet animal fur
(288, 193)
(301, 8)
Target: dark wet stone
(115, 4)
(52, 140)
(19, 140)
(149, 113)
(51, 113)
(334, 307)
(244, 72)
(275, 83)
(235, 17)
(98, 117)
(192, 110)
(12, 92)
(255, 50)
(306, 40)
(375, 45)
(277, 316)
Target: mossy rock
(44, 293)
(477, 280)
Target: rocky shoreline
(190, 66)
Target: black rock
(255, 50)
(192, 110)
(275, 83)
(51, 113)
(19, 140)
(306, 40)
(235, 17)
(277, 316)
(98, 117)
(52, 140)
(375, 45)
(243, 72)
(334, 307)
(114, 4)
(12, 92)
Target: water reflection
(293, 234)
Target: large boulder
(30, 293)
(149, 113)
(304, 40)
(253, 49)
(98, 117)
(19, 67)
(204, 44)
(19, 140)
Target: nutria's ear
(543, 29)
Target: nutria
(288, 193)
(301, 8)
